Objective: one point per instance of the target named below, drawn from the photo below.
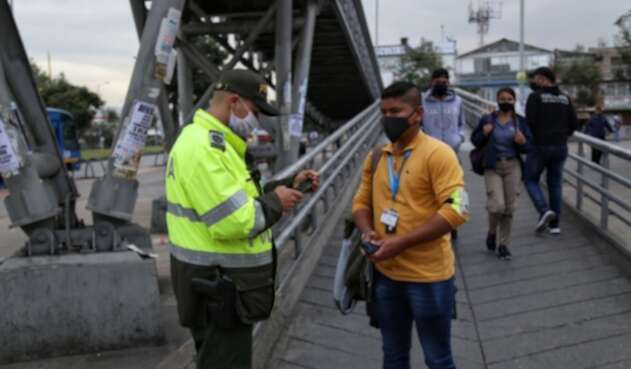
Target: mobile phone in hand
(306, 186)
(369, 247)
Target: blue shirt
(504, 139)
(598, 126)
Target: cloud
(549, 24)
(94, 42)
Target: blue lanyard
(395, 181)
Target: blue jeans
(429, 305)
(551, 158)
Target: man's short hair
(440, 72)
(545, 72)
(405, 91)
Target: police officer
(218, 217)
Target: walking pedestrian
(597, 127)
(504, 136)
(551, 118)
(407, 209)
(443, 116)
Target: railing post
(579, 179)
(297, 236)
(604, 203)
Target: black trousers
(219, 348)
(596, 155)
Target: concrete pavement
(562, 302)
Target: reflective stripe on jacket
(213, 218)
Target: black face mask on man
(439, 89)
(395, 127)
(534, 86)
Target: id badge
(390, 218)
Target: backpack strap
(374, 161)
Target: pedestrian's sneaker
(490, 242)
(545, 220)
(503, 253)
(555, 231)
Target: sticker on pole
(166, 40)
(295, 125)
(129, 146)
(9, 163)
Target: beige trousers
(503, 186)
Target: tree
(57, 92)
(418, 64)
(213, 53)
(111, 116)
(586, 77)
(624, 45)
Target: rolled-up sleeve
(449, 187)
(363, 196)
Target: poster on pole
(295, 125)
(9, 162)
(129, 146)
(164, 46)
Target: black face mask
(534, 86)
(506, 107)
(439, 90)
(395, 127)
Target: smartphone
(306, 186)
(369, 248)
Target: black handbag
(477, 157)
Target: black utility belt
(237, 296)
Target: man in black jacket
(552, 120)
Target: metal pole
(522, 56)
(301, 81)
(376, 22)
(113, 196)
(604, 202)
(284, 23)
(184, 86)
(139, 12)
(579, 179)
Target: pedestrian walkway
(561, 303)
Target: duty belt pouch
(220, 296)
(255, 292)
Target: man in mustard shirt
(408, 210)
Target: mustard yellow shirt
(432, 181)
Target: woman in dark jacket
(505, 136)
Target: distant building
(389, 58)
(448, 53)
(496, 65)
(615, 88)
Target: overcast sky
(94, 42)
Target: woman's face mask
(243, 127)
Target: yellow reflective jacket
(213, 218)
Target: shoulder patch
(217, 140)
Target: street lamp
(376, 22)
(522, 57)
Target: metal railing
(609, 190)
(337, 159)
(603, 193)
